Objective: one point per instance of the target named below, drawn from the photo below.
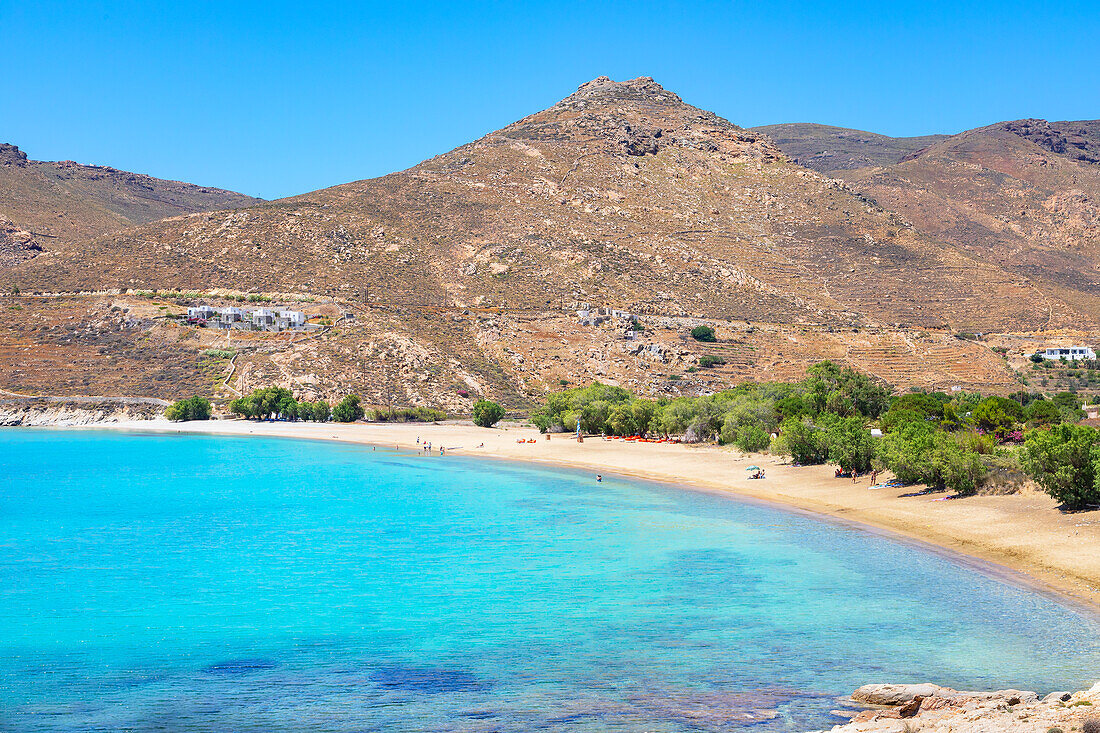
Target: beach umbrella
(753, 468)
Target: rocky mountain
(621, 195)
(70, 202)
(464, 274)
(825, 148)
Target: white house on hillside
(1069, 353)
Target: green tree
(907, 452)
(644, 413)
(487, 413)
(265, 402)
(850, 444)
(1065, 461)
(621, 421)
(751, 439)
(997, 414)
(321, 411)
(348, 409)
(954, 467)
(1042, 412)
(703, 333)
(803, 441)
(192, 408)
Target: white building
(263, 318)
(200, 313)
(1069, 353)
(228, 316)
(294, 319)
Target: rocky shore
(68, 411)
(930, 708)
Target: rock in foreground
(933, 709)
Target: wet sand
(1022, 532)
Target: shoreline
(1021, 539)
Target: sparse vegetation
(707, 361)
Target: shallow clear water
(191, 583)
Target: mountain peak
(603, 89)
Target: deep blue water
(184, 583)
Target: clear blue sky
(276, 98)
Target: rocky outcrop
(16, 243)
(11, 155)
(54, 412)
(933, 709)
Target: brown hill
(463, 272)
(619, 195)
(825, 148)
(71, 202)
(1023, 195)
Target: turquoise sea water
(184, 583)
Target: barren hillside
(825, 148)
(1023, 195)
(464, 273)
(70, 202)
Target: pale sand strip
(1023, 532)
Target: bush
(1065, 461)
(409, 414)
(487, 413)
(703, 333)
(707, 361)
(192, 408)
(348, 410)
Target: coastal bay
(252, 582)
(1023, 532)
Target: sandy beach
(1022, 532)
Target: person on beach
(874, 476)
(855, 476)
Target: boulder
(893, 694)
(1060, 696)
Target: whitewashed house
(263, 319)
(1069, 353)
(228, 316)
(294, 319)
(200, 313)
